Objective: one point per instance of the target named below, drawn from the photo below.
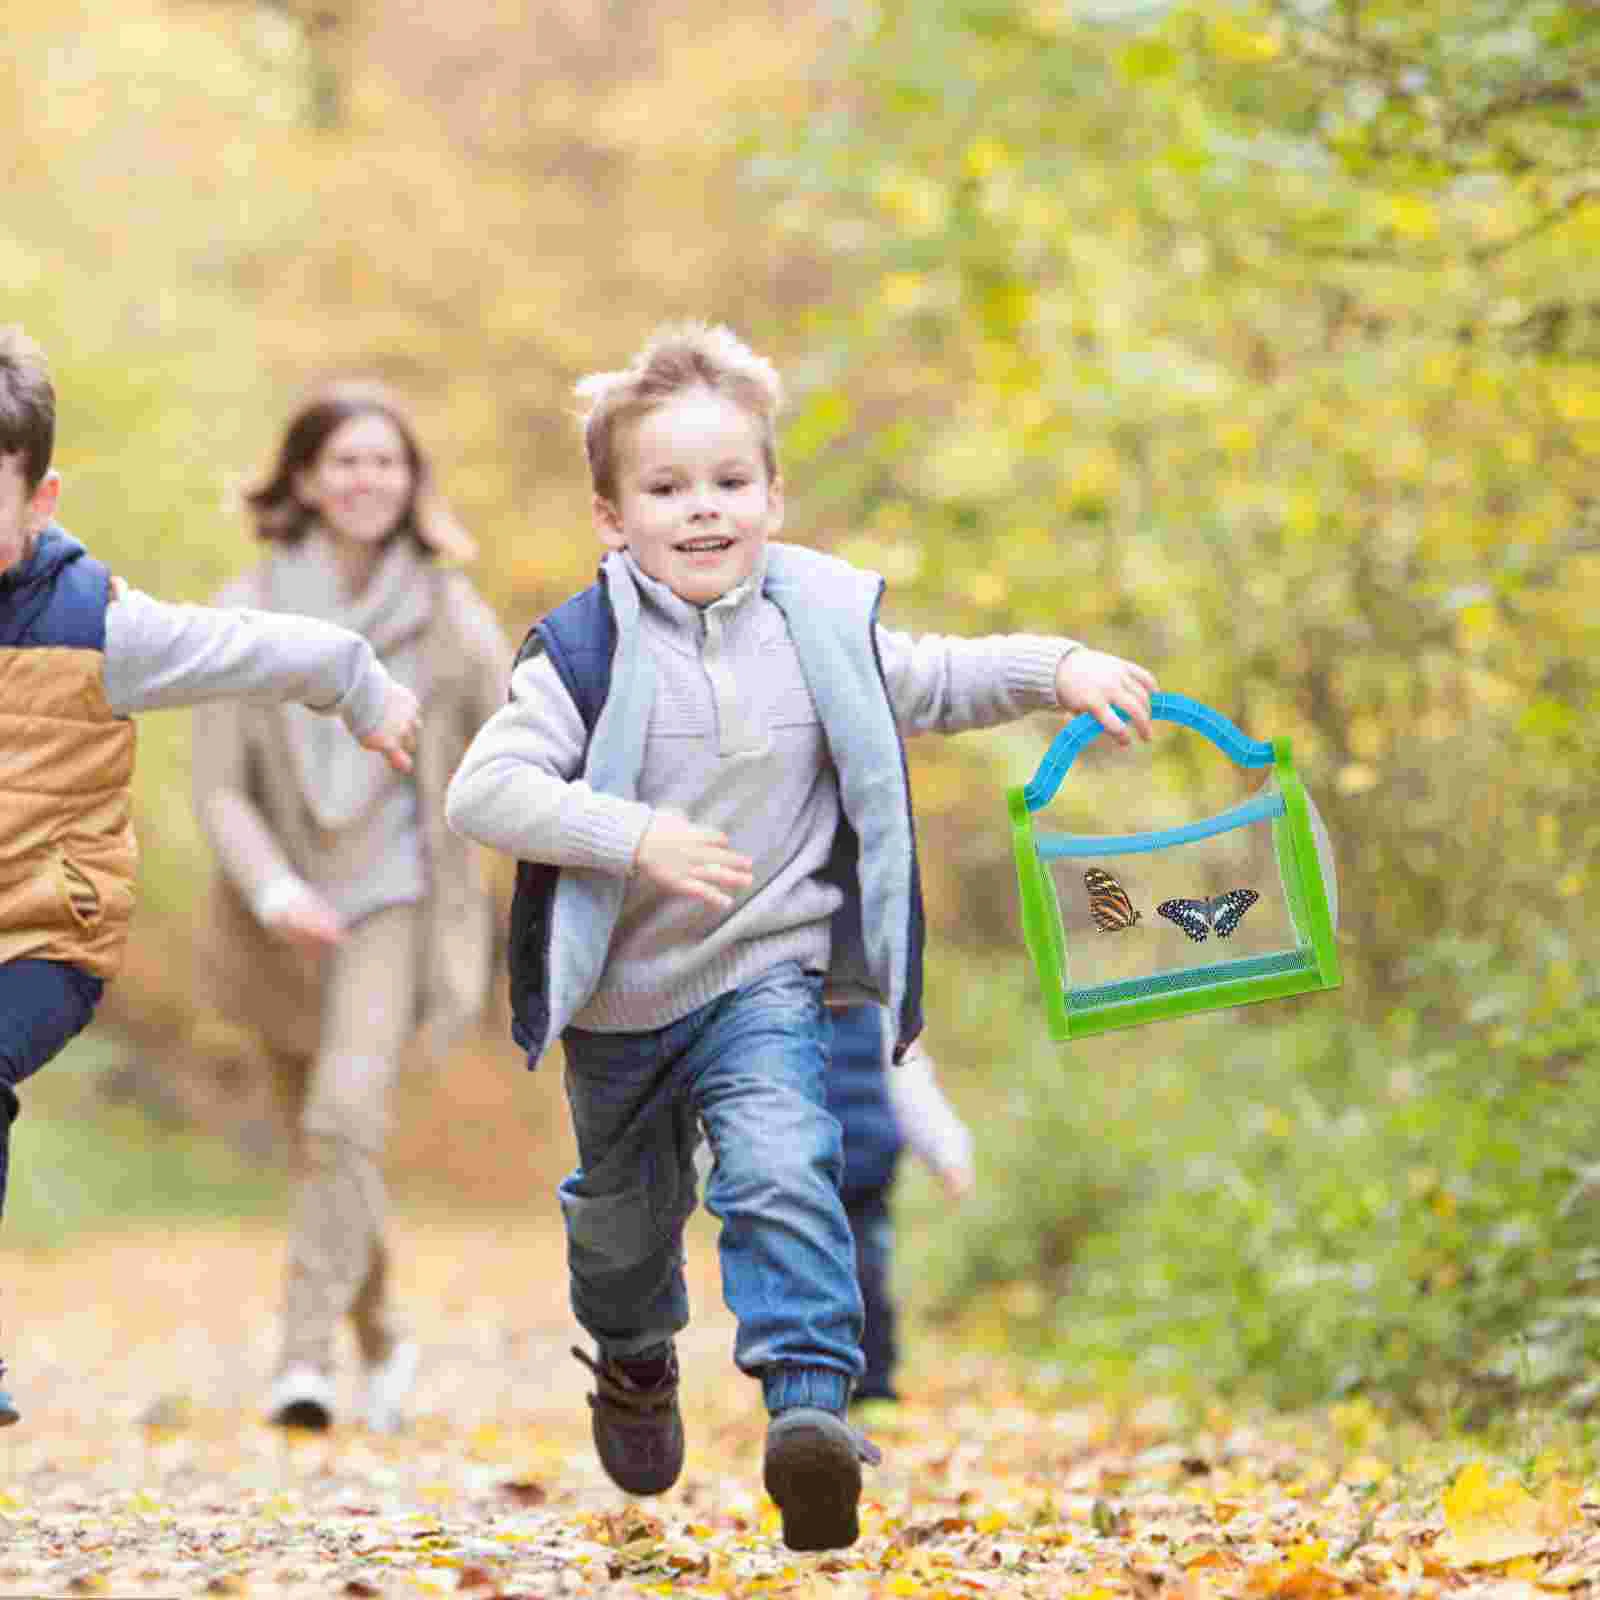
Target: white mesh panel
(1330, 880)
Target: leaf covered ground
(142, 1466)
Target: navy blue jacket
(56, 597)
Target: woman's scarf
(339, 780)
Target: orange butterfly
(1109, 904)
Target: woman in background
(346, 914)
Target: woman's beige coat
(251, 809)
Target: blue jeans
(43, 1005)
(749, 1067)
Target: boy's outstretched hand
(1092, 681)
(395, 737)
(683, 858)
(957, 1182)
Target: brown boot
(638, 1430)
(812, 1469)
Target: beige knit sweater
(250, 801)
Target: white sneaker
(302, 1397)
(389, 1386)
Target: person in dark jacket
(80, 653)
(883, 1109)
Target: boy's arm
(928, 1122)
(160, 655)
(940, 684)
(518, 787)
(947, 685)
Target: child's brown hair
(27, 405)
(677, 357)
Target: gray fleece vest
(562, 920)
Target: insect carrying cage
(1286, 948)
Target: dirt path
(142, 1467)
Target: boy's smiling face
(694, 504)
(24, 513)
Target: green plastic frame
(1078, 1013)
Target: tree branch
(1522, 99)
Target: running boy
(701, 772)
(80, 652)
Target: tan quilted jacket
(67, 854)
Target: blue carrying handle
(1082, 730)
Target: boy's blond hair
(27, 405)
(677, 357)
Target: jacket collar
(680, 614)
(51, 551)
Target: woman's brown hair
(281, 517)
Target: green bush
(1285, 1202)
(81, 1164)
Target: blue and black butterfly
(1109, 904)
(1219, 915)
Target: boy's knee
(797, 1157)
(617, 1229)
(625, 1210)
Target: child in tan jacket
(80, 653)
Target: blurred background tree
(214, 204)
(1257, 343)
